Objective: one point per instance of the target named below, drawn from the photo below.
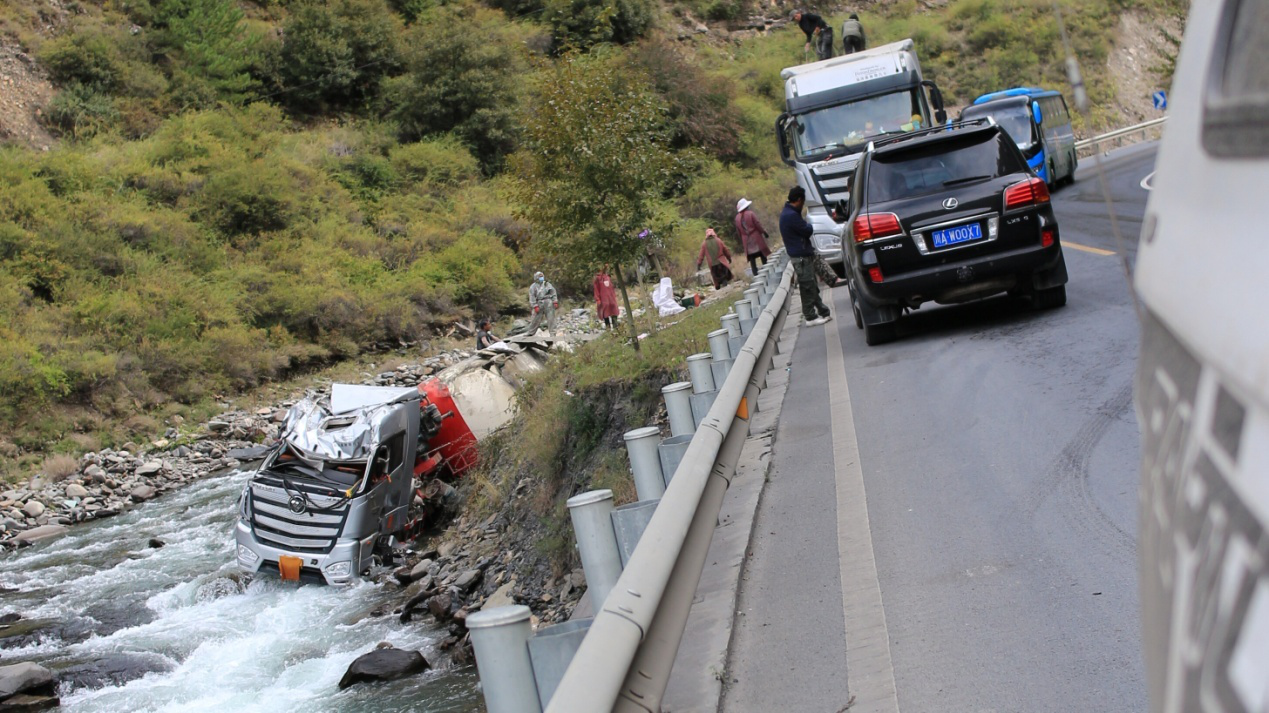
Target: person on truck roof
(815, 28)
(853, 35)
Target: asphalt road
(996, 475)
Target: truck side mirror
(1036, 113)
(782, 138)
(936, 98)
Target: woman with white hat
(752, 235)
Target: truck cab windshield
(846, 128)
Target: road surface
(950, 519)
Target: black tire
(840, 269)
(1049, 299)
(875, 334)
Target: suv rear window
(927, 168)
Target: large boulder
(43, 532)
(33, 508)
(26, 677)
(384, 665)
(142, 493)
(75, 490)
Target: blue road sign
(1160, 99)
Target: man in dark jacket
(797, 240)
(853, 35)
(815, 28)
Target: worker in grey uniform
(853, 35)
(543, 300)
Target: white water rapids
(130, 628)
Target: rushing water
(130, 628)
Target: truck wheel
(875, 334)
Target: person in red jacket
(719, 259)
(752, 235)
(605, 298)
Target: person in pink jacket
(605, 298)
(752, 235)
(719, 257)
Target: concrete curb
(696, 682)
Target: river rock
(439, 605)
(75, 490)
(501, 597)
(149, 468)
(420, 569)
(33, 508)
(142, 493)
(26, 677)
(155, 543)
(219, 426)
(384, 665)
(467, 579)
(43, 532)
(23, 703)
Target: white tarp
(663, 298)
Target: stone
(155, 543)
(33, 508)
(26, 677)
(10, 618)
(439, 605)
(384, 665)
(420, 569)
(219, 426)
(75, 490)
(501, 597)
(142, 493)
(467, 579)
(23, 703)
(96, 473)
(149, 468)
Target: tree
(214, 51)
(464, 81)
(334, 55)
(579, 24)
(596, 159)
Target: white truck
(833, 108)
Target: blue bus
(1039, 123)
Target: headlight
(339, 570)
(826, 241)
(246, 554)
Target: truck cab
(833, 108)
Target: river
(132, 628)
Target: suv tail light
(1029, 192)
(876, 225)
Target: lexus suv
(947, 214)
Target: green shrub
(81, 111)
(334, 55)
(580, 24)
(84, 57)
(441, 162)
(252, 198)
(702, 111)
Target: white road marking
(869, 669)
(1145, 182)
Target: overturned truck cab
(351, 472)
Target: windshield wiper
(969, 179)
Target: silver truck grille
(309, 532)
(832, 182)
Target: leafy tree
(702, 112)
(596, 161)
(580, 24)
(459, 81)
(213, 51)
(333, 55)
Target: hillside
(201, 196)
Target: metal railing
(623, 662)
(1120, 133)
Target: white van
(1202, 391)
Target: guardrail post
(720, 350)
(703, 389)
(753, 296)
(671, 453)
(744, 311)
(629, 522)
(763, 295)
(551, 650)
(735, 340)
(641, 444)
(678, 406)
(500, 639)
(591, 513)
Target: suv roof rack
(921, 133)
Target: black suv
(949, 214)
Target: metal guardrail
(1119, 133)
(624, 661)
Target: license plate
(289, 568)
(957, 235)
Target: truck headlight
(246, 554)
(339, 570)
(826, 241)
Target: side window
(1066, 114)
(396, 452)
(1236, 98)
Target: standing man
(815, 28)
(543, 300)
(797, 240)
(853, 35)
(753, 237)
(605, 298)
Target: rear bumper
(356, 553)
(977, 277)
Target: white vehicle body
(833, 108)
(1202, 392)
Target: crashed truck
(363, 467)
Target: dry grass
(59, 467)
